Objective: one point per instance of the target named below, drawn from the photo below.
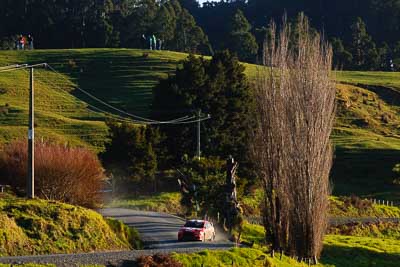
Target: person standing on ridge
(159, 42)
(21, 42)
(30, 42)
(154, 42)
(150, 42)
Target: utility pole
(30, 189)
(30, 177)
(198, 134)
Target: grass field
(339, 251)
(366, 134)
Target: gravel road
(157, 230)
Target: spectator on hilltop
(153, 37)
(21, 42)
(30, 42)
(159, 43)
(150, 38)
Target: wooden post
(30, 185)
(315, 260)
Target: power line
(119, 110)
(182, 120)
(138, 119)
(99, 111)
(22, 66)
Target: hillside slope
(30, 227)
(366, 134)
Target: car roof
(194, 220)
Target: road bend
(159, 232)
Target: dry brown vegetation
(291, 146)
(63, 173)
(158, 260)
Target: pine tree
(363, 48)
(164, 24)
(241, 40)
(188, 36)
(341, 57)
(132, 151)
(139, 22)
(218, 87)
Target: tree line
(101, 23)
(364, 34)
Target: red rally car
(197, 230)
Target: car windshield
(194, 224)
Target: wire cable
(24, 66)
(145, 120)
(138, 119)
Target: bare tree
(295, 97)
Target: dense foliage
(101, 23)
(218, 87)
(130, 155)
(337, 19)
(366, 31)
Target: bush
(131, 155)
(158, 260)
(62, 173)
(358, 203)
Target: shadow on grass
(365, 172)
(340, 256)
(122, 77)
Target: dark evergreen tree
(188, 36)
(363, 49)
(165, 24)
(139, 22)
(218, 87)
(131, 152)
(396, 56)
(341, 57)
(191, 5)
(241, 40)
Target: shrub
(62, 173)
(358, 203)
(131, 155)
(158, 260)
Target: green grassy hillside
(121, 77)
(29, 227)
(366, 134)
